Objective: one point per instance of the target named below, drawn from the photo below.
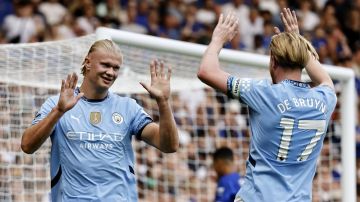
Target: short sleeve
(140, 119)
(247, 91)
(329, 96)
(45, 109)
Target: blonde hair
(105, 45)
(291, 50)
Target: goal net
(206, 119)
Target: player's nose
(110, 72)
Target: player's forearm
(209, 71)
(36, 135)
(317, 73)
(169, 138)
(210, 61)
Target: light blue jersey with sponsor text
(91, 154)
(288, 123)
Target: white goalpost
(206, 119)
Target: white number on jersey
(288, 125)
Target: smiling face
(102, 68)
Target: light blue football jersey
(91, 154)
(288, 123)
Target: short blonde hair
(290, 50)
(105, 45)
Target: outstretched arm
(35, 135)
(210, 71)
(315, 70)
(163, 136)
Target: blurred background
(332, 26)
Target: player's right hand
(67, 98)
(226, 28)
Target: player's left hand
(160, 81)
(226, 28)
(289, 20)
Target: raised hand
(226, 29)
(289, 20)
(160, 82)
(67, 99)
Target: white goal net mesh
(206, 120)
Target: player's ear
(87, 63)
(272, 62)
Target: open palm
(67, 98)
(160, 82)
(226, 28)
(289, 20)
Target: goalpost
(29, 73)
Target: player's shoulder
(262, 82)
(261, 86)
(52, 100)
(325, 91)
(325, 88)
(124, 100)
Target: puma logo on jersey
(75, 118)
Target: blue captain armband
(233, 87)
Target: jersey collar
(297, 83)
(77, 91)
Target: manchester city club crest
(95, 117)
(117, 118)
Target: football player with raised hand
(288, 118)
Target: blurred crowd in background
(333, 27)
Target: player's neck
(92, 93)
(288, 75)
(227, 170)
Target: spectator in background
(153, 22)
(191, 26)
(53, 11)
(328, 18)
(352, 27)
(309, 19)
(356, 59)
(240, 9)
(131, 24)
(111, 13)
(67, 29)
(250, 28)
(337, 45)
(88, 22)
(142, 13)
(6, 8)
(208, 14)
(24, 25)
(228, 180)
(356, 67)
